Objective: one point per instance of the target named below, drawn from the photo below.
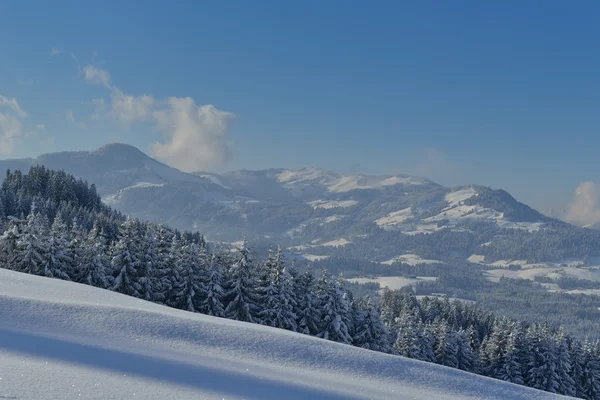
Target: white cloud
(96, 76)
(128, 108)
(54, 51)
(40, 127)
(585, 208)
(11, 132)
(13, 105)
(195, 136)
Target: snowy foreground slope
(63, 340)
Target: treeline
(461, 336)
(157, 264)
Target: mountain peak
(120, 150)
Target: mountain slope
(318, 213)
(64, 340)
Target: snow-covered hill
(60, 340)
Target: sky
(504, 94)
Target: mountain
(64, 340)
(317, 213)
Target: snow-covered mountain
(319, 212)
(61, 340)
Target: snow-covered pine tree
(306, 309)
(188, 287)
(334, 310)
(212, 304)
(511, 369)
(8, 244)
(76, 249)
(564, 366)
(372, 332)
(541, 364)
(240, 288)
(31, 250)
(58, 262)
(163, 265)
(446, 347)
(423, 343)
(126, 260)
(406, 336)
(590, 384)
(577, 356)
(465, 357)
(148, 261)
(95, 263)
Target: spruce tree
(58, 262)
(240, 288)
(126, 261)
(334, 310)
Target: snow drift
(64, 340)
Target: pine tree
(126, 260)
(213, 284)
(564, 367)
(240, 288)
(9, 244)
(31, 250)
(76, 249)
(306, 308)
(58, 262)
(446, 347)
(334, 309)
(511, 369)
(188, 284)
(541, 366)
(371, 333)
(164, 266)
(590, 372)
(95, 262)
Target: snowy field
(592, 274)
(60, 340)
(393, 282)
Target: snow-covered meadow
(61, 340)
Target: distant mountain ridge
(321, 213)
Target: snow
(313, 257)
(348, 183)
(393, 282)
(411, 259)
(327, 204)
(333, 218)
(394, 218)
(337, 243)
(551, 270)
(456, 197)
(306, 175)
(476, 258)
(60, 340)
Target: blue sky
(504, 94)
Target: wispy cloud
(54, 51)
(13, 104)
(194, 136)
(12, 128)
(96, 76)
(585, 207)
(71, 117)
